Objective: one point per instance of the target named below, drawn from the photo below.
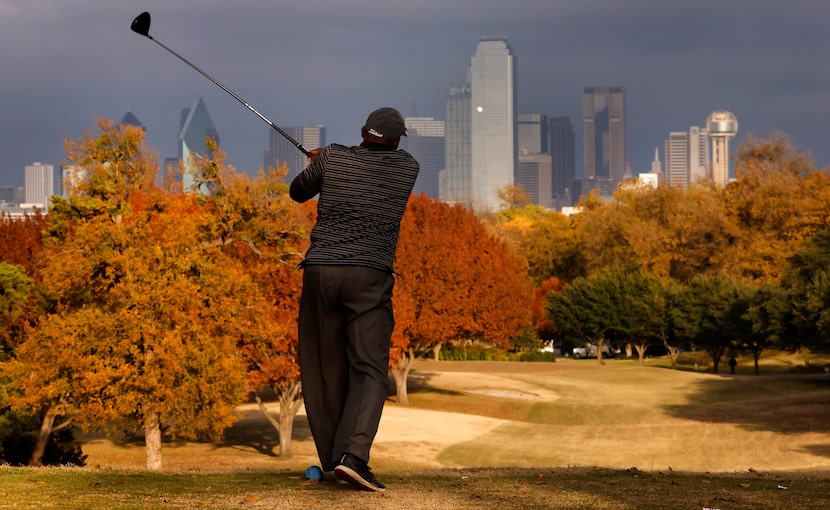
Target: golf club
(141, 26)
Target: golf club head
(141, 24)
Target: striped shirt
(362, 197)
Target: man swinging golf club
(345, 320)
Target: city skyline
(678, 62)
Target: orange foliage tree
(778, 199)
(457, 283)
(142, 319)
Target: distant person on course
(345, 321)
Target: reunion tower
(722, 126)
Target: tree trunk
(436, 351)
(756, 353)
(672, 354)
(641, 352)
(401, 372)
(152, 441)
(43, 438)
(291, 399)
(600, 347)
(47, 428)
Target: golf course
(480, 434)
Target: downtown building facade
(603, 133)
(425, 141)
(39, 185)
(485, 113)
(282, 152)
(563, 159)
(686, 157)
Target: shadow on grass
(255, 432)
(420, 382)
(790, 404)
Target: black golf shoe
(357, 473)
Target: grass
(560, 488)
(570, 434)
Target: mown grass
(560, 488)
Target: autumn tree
(546, 239)
(777, 200)
(21, 241)
(457, 283)
(665, 231)
(261, 227)
(143, 321)
(545, 329)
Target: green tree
(14, 295)
(770, 319)
(710, 312)
(807, 282)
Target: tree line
(738, 268)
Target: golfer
(345, 322)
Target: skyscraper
(425, 142)
(281, 151)
(534, 176)
(533, 133)
(39, 184)
(563, 153)
(603, 133)
(195, 126)
(494, 134)
(687, 157)
(454, 181)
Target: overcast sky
(330, 62)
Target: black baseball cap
(386, 124)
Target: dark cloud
(330, 62)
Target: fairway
(570, 434)
(563, 414)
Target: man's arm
(308, 183)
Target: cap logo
(373, 132)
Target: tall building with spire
(195, 126)
(722, 126)
(603, 133)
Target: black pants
(345, 328)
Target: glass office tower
(603, 133)
(494, 136)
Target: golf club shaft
(229, 91)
